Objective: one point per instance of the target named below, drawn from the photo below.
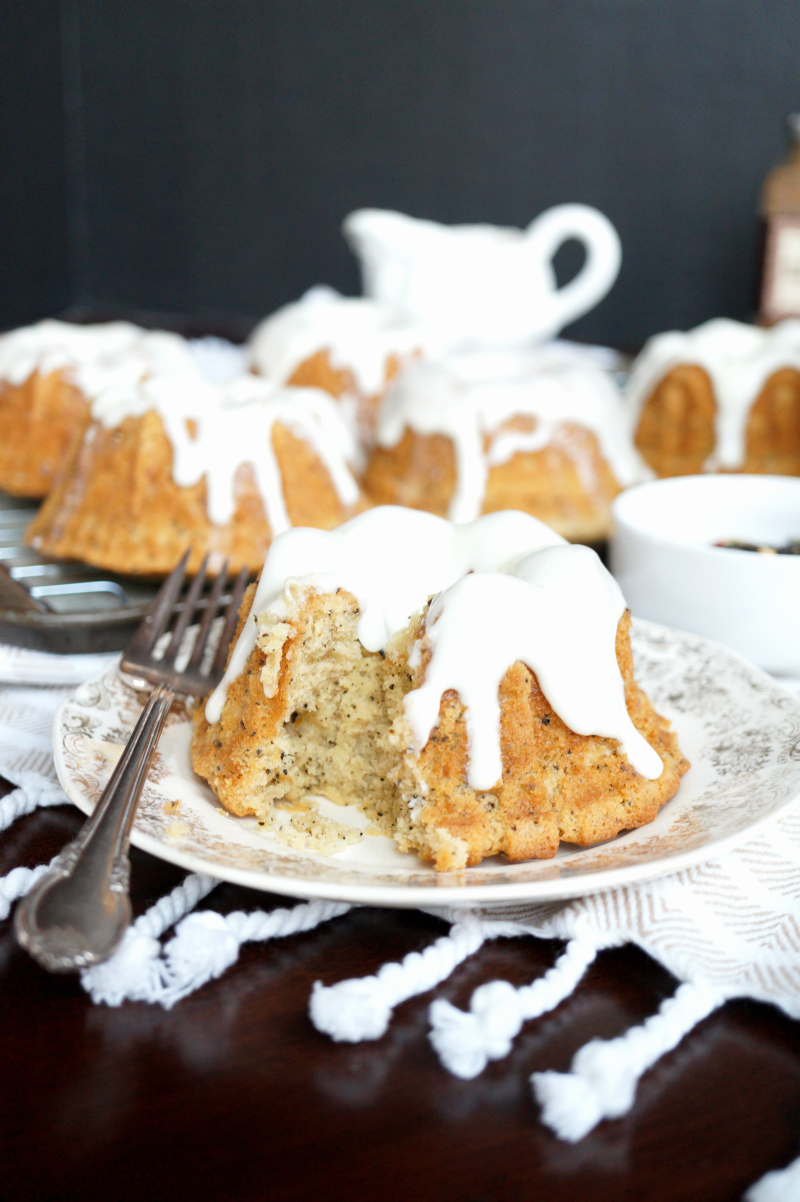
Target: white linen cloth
(19, 665)
(726, 928)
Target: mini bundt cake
(50, 373)
(722, 397)
(485, 431)
(349, 346)
(470, 686)
(175, 461)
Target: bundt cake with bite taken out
(722, 397)
(480, 432)
(470, 686)
(174, 462)
(49, 375)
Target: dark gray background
(196, 157)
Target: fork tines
(140, 658)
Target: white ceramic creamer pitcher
(483, 284)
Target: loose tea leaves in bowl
(790, 548)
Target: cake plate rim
(745, 723)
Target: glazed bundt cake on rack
(480, 432)
(722, 397)
(174, 462)
(349, 346)
(49, 375)
(469, 686)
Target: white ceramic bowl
(663, 556)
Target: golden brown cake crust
(556, 785)
(38, 421)
(226, 754)
(118, 507)
(773, 428)
(419, 472)
(675, 434)
(318, 372)
(676, 430)
(567, 484)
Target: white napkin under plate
(19, 665)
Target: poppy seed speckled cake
(470, 686)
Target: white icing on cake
(213, 429)
(529, 597)
(468, 396)
(217, 359)
(359, 335)
(580, 354)
(739, 359)
(557, 612)
(93, 357)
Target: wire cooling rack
(60, 605)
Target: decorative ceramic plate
(738, 727)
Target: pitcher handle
(603, 256)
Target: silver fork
(78, 912)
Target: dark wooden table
(233, 1095)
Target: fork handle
(78, 912)
(107, 835)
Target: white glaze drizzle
(557, 610)
(359, 335)
(213, 429)
(217, 359)
(392, 559)
(93, 357)
(469, 396)
(739, 359)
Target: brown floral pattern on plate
(739, 727)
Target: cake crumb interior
(342, 701)
(320, 718)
